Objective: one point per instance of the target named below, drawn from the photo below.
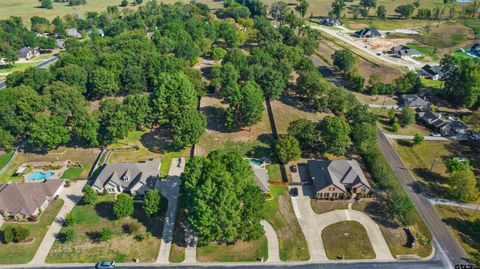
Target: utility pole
(433, 164)
(383, 104)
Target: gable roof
(341, 173)
(330, 21)
(367, 32)
(128, 175)
(433, 70)
(413, 100)
(429, 116)
(402, 50)
(26, 198)
(23, 53)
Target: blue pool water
(256, 162)
(40, 175)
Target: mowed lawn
(85, 157)
(289, 109)
(4, 157)
(142, 244)
(279, 213)
(18, 253)
(251, 141)
(145, 145)
(460, 220)
(384, 123)
(347, 240)
(251, 251)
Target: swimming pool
(257, 162)
(40, 175)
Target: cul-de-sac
(240, 133)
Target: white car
(105, 265)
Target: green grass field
(4, 157)
(72, 173)
(24, 252)
(347, 240)
(251, 251)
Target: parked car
(294, 192)
(105, 265)
(293, 168)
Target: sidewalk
(71, 196)
(273, 247)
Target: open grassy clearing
(347, 240)
(274, 172)
(321, 206)
(72, 173)
(420, 159)
(251, 251)
(431, 84)
(460, 221)
(252, 141)
(122, 248)
(279, 213)
(288, 109)
(393, 234)
(142, 145)
(23, 252)
(86, 157)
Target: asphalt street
(452, 249)
(3, 83)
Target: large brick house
(334, 179)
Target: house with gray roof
(445, 126)
(413, 101)
(333, 179)
(475, 49)
(329, 21)
(20, 201)
(73, 32)
(28, 53)
(367, 33)
(100, 32)
(432, 72)
(133, 178)
(402, 51)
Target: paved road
(169, 188)
(410, 137)
(71, 196)
(3, 83)
(345, 37)
(447, 242)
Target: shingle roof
(413, 100)
(23, 53)
(128, 174)
(338, 172)
(26, 198)
(402, 50)
(433, 70)
(367, 32)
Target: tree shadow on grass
(297, 102)
(405, 143)
(376, 210)
(264, 150)
(158, 141)
(94, 236)
(215, 118)
(430, 176)
(154, 225)
(466, 231)
(105, 210)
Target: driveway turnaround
(273, 249)
(71, 196)
(169, 188)
(312, 225)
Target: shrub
(218, 53)
(90, 196)
(123, 206)
(8, 234)
(68, 236)
(396, 127)
(106, 235)
(21, 233)
(70, 220)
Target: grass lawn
(85, 157)
(460, 221)
(389, 24)
(426, 51)
(393, 234)
(250, 251)
(347, 240)
(384, 123)
(72, 173)
(4, 157)
(320, 206)
(419, 159)
(431, 84)
(461, 54)
(122, 248)
(142, 145)
(24, 252)
(252, 141)
(279, 213)
(274, 172)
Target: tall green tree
(405, 11)
(89, 196)
(337, 8)
(335, 134)
(381, 12)
(246, 105)
(302, 8)
(187, 128)
(287, 148)
(48, 132)
(463, 185)
(401, 208)
(368, 4)
(307, 134)
(344, 60)
(123, 206)
(461, 80)
(151, 203)
(103, 83)
(407, 117)
(221, 199)
(457, 164)
(46, 4)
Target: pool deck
(56, 174)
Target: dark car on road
(105, 265)
(294, 192)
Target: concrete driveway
(312, 225)
(170, 188)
